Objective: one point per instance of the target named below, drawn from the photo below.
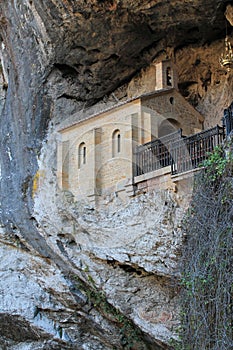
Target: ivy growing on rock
(207, 263)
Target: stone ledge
(152, 174)
(185, 175)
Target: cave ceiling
(97, 45)
(106, 42)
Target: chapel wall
(171, 105)
(102, 172)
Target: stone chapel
(97, 157)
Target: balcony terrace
(180, 153)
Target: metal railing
(182, 153)
(155, 155)
(228, 119)
(190, 152)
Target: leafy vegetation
(207, 264)
(216, 163)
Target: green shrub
(215, 164)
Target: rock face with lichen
(73, 277)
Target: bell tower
(166, 76)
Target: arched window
(169, 76)
(82, 154)
(116, 142)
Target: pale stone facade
(96, 156)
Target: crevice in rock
(131, 269)
(66, 70)
(113, 57)
(69, 97)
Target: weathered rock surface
(59, 58)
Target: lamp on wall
(226, 58)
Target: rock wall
(71, 277)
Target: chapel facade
(97, 157)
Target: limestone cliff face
(64, 57)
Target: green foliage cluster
(215, 164)
(207, 264)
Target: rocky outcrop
(63, 264)
(126, 255)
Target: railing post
(228, 119)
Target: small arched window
(116, 143)
(169, 76)
(82, 154)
